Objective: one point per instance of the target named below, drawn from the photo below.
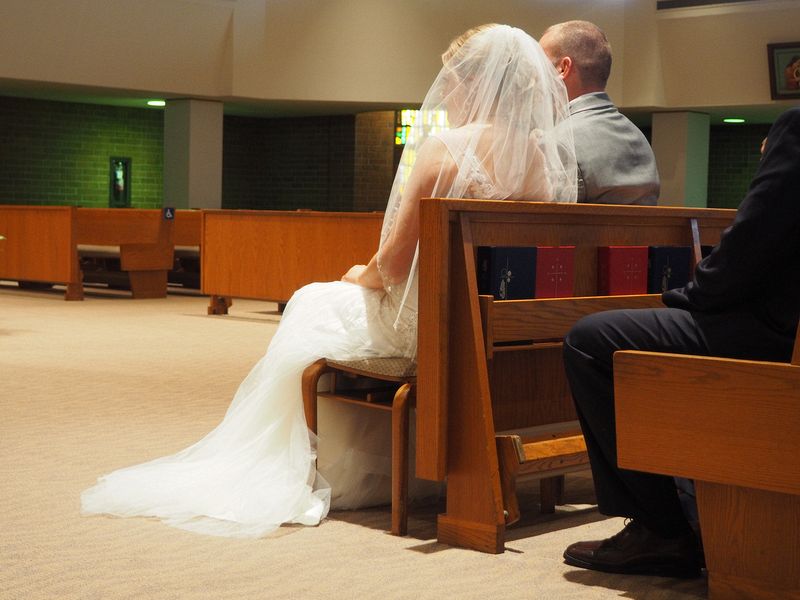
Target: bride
(502, 113)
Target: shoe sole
(659, 570)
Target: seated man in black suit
(743, 302)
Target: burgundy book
(621, 270)
(555, 273)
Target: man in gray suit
(615, 162)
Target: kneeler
(392, 386)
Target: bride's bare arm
(397, 252)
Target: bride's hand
(354, 273)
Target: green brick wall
(733, 155)
(286, 164)
(58, 153)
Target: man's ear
(564, 67)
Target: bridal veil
(500, 110)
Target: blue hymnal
(668, 267)
(507, 273)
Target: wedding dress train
(256, 469)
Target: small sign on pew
(169, 213)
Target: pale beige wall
(370, 50)
(709, 60)
(174, 46)
(375, 50)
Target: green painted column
(193, 154)
(680, 143)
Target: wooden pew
(177, 240)
(43, 244)
(732, 426)
(144, 239)
(468, 391)
(268, 255)
(40, 246)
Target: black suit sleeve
(760, 249)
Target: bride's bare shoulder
(434, 157)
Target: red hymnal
(621, 270)
(555, 275)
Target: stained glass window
(408, 122)
(408, 125)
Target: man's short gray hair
(587, 45)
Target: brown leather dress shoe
(638, 551)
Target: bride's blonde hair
(459, 41)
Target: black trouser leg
(588, 357)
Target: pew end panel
(40, 246)
(731, 425)
(145, 242)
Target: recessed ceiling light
(156, 103)
(733, 120)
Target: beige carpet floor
(87, 387)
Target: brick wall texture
(734, 152)
(286, 164)
(374, 160)
(58, 153)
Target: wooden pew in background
(732, 426)
(143, 237)
(40, 246)
(270, 254)
(468, 391)
(186, 267)
(43, 244)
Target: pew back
(187, 227)
(270, 254)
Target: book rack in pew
(732, 426)
(489, 367)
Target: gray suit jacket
(616, 164)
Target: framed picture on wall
(784, 70)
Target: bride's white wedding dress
(255, 470)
